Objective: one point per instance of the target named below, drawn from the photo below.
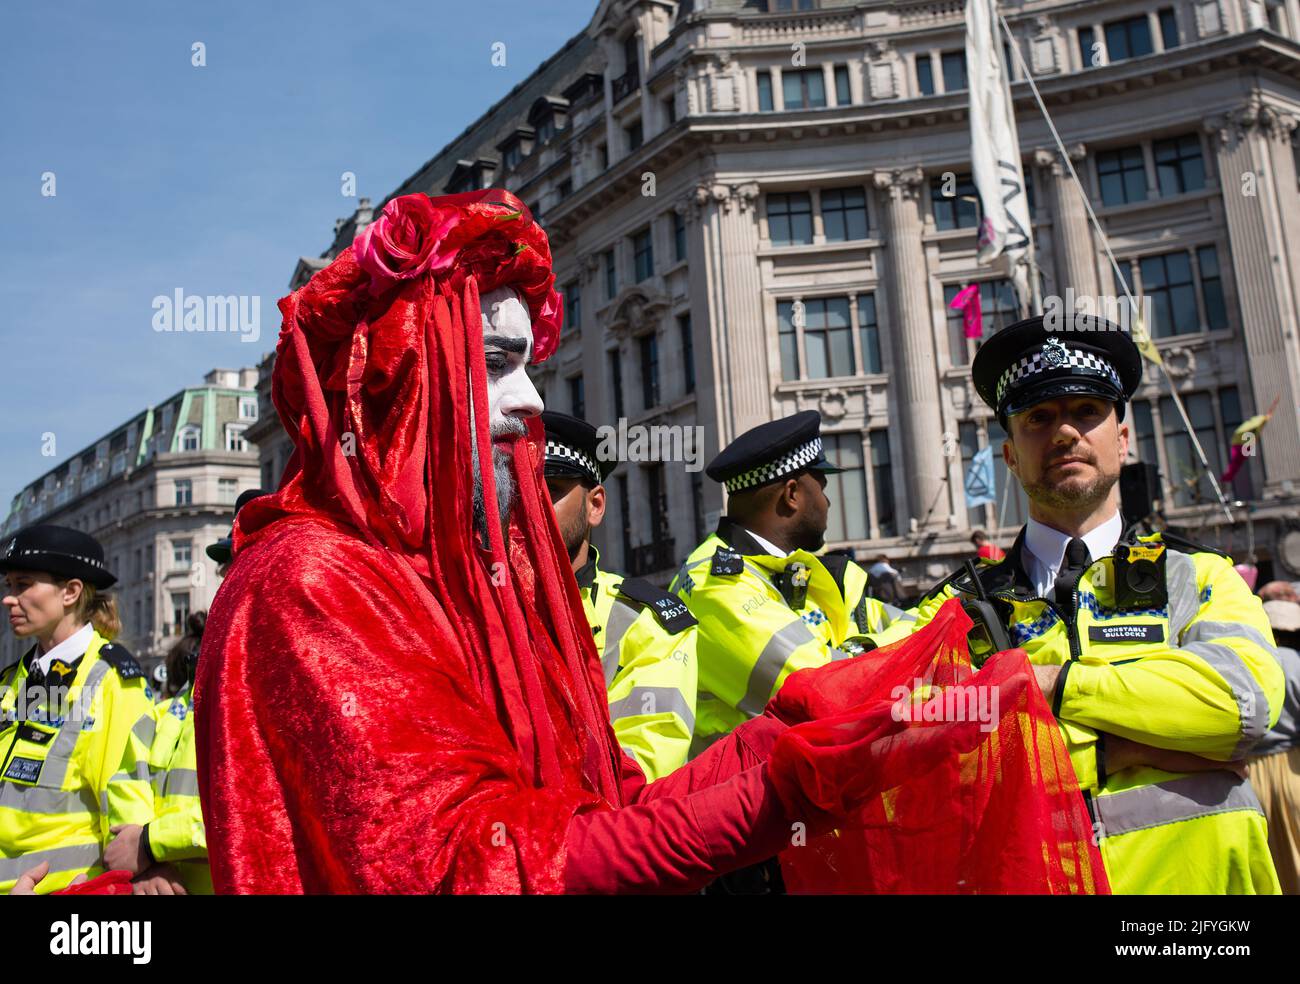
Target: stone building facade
(763, 206)
(155, 491)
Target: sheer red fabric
(967, 783)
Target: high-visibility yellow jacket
(1194, 672)
(176, 834)
(758, 624)
(76, 762)
(646, 641)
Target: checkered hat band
(564, 453)
(85, 560)
(1077, 361)
(791, 461)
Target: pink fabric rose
(410, 238)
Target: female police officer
(76, 717)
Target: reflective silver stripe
(38, 799)
(761, 574)
(65, 742)
(181, 782)
(144, 729)
(683, 571)
(898, 614)
(141, 773)
(1214, 631)
(1202, 795)
(60, 859)
(771, 661)
(663, 700)
(1252, 704)
(1184, 598)
(838, 654)
(621, 617)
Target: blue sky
(213, 180)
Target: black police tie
(1075, 563)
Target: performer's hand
(1122, 753)
(29, 879)
(1047, 677)
(128, 850)
(161, 879)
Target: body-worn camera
(1140, 576)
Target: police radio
(1140, 576)
(793, 584)
(989, 633)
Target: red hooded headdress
(379, 362)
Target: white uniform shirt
(71, 648)
(1045, 550)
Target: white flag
(995, 150)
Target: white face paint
(507, 347)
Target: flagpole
(1119, 275)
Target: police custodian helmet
(58, 550)
(772, 451)
(1031, 361)
(571, 449)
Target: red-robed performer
(398, 695)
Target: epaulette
(1188, 546)
(670, 610)
(726, 561)
(120, 659)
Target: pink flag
(967, 302)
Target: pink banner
(967, 302)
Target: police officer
(645, 636)
(767, 606)
(1156, 659)
(176, 834)
(76, 716)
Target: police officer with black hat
(1155, 657)
(76, 715)
(766, 603)
(645, 636)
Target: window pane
(841, 336)
(1168, 28)
(969, 436)
(816, 345)
(1216, 311)
(1087, 57)
(788, 339)
(815, 86)
(870, 333)
(765, 103)
(792, 90)
(954, 70)
(842, 95)
(882, 480)
(924, 75)
(847, 491)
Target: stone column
(1249, 141)
(1071, 229)
(739, 343)
(912, 331)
